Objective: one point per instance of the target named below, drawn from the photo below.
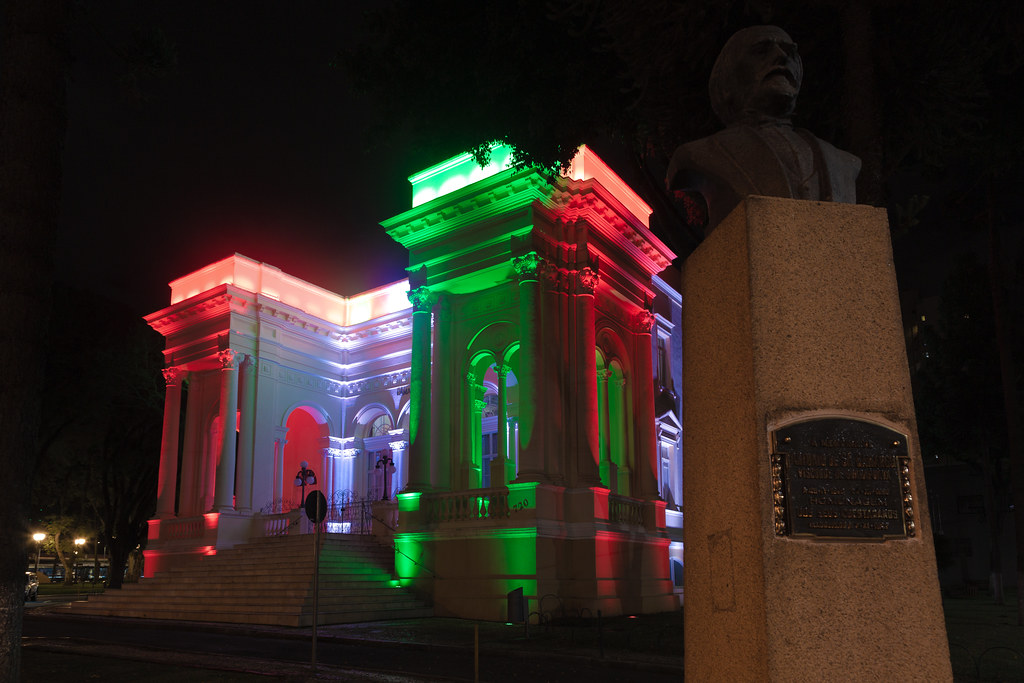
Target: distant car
(31, 586)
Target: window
(380, 426)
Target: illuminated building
(525, 397)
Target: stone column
(587, 463)
(168, 478)
(643, 386)
(552, 373)
(474, 406)
(349, 457)
(398, 456)
(620, 471)
(444, 375)
(531, 445)
(603, 375)
(277, 495)
(224, 493)
(419, 411)
(502, 467)
(247, 406)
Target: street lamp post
(304, 477)
(79, 542)
(38, 537)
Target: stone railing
(463, 506)
(279, 524)
(623, 510)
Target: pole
(316, 575)
(476, 653)
(39, 547)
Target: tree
(32, 111)
(100, 440)
(958, 396)
(548, 75)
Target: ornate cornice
(386, 381)
(638, 241)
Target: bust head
(756, 76)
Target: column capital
(248, 364)
(479, 404)
(228, 359)
(173, 376)
(528, 267)
(643, 321)
(550, 274)
(422, 299)
(603, 374)
(586, 280)
(502, 369)
(398, 445)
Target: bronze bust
(753, 88)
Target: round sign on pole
(316, 507)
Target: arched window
(380, 426)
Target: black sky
(252, 143)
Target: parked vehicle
(31, 586)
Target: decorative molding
(908, 499)
(391, 380)
(305, 380)
(388, 329)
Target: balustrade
(623, 510)
(463, 506)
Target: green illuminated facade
(539, 294)
(517, 393)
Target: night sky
(252, 142)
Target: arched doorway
(307, 437)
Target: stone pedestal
(791, 313)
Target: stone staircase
(270, 581)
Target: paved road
(438, 662)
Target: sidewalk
(644, 643)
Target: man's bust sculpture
(753, 87)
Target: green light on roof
(455, 174)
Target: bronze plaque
(843, 479)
